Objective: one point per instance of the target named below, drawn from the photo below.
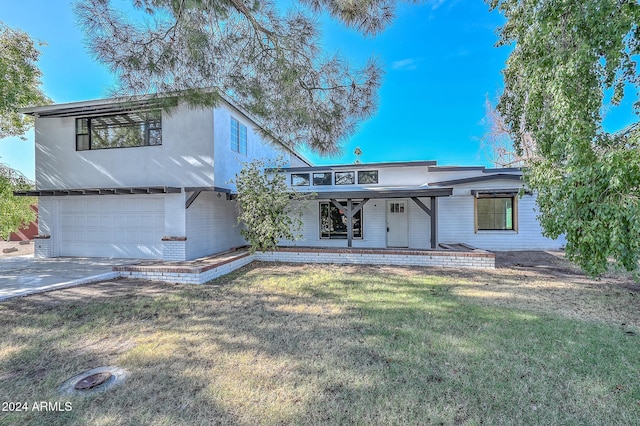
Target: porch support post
(337, 204)
(420, 204)
(349, 212)
(359, 207)
(349, 223)
(434, 225)
(432, 212)
(191, 199)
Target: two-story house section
(135, 180)
(417, 205)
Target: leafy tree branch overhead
(267, 60)
(19, 80)
(571, 61)
(19, 87)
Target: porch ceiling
(99, 191)
(372, 193)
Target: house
(132, 180)
(417, 205)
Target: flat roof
(138, 190)
(493, 176)
(387, 192)
(99, 107)
(474, 168)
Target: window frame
(353, 178)
(238, 136)
(148, 125)
(87, 133)
(514, 212)
(360, 172)
(330, 181)
(302, 176)
(359, 215)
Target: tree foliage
(267, 207)
(19, 81)
(15, 212)
(571, 61)
(268, 61)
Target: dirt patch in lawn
(545, 281)
(15, 248)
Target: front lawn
(284, 344)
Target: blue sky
(439, 58)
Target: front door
(397, 223)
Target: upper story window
(496, 214)
(345, 178)
(238, 137)
(323, 178)
(119, 131)
(299, 179)
(367, 177)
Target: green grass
(277, 344)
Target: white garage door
(111, 226)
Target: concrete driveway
(22, 275)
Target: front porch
(205, 269)
(350, 203)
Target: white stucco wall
(387, 176)
(46, 207)
(185, 157)
(295, 161)
(174, 219)
(211, 225)
(228, 163)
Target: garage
(111, 226)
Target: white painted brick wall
(377, 259)
(212, 226)
(42, 248)
(456, 224)
(315, 257)
(174, 250)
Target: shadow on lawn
(312, 344)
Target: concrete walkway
(22, 275)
